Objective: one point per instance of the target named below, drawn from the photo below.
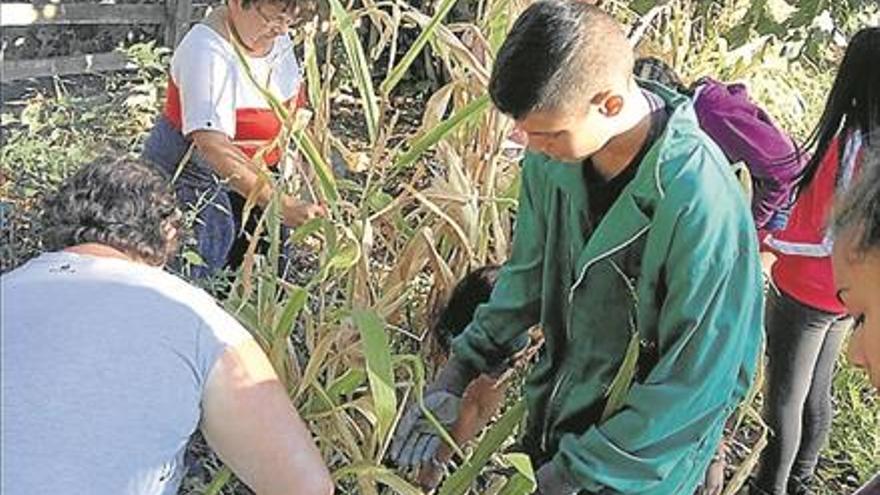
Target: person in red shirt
(216, 135)
(805, 322)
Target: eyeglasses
(282, 21)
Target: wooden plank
(61, 66)
(179, 16)
(201, 10)
(174, 32)
(26, 14)
(169, 24)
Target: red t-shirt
(803, 249)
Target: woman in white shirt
(214, 108)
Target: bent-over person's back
(104, 365)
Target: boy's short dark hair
(473, 290)
(558, 52)
(123, 203)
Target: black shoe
(754, 489)
(800, 487)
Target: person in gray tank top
(110, 364)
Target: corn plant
(336, 338)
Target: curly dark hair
(859, 209)
(124, 204)
(302, 9)
(454, 316)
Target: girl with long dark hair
(805, 321)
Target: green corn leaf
(359, 67)
(220, 480)
(345, 258)
(379, 369)
(518, 485)
(523, 481)
(464, 477)
(468, 113)
(396, 74)
(296, 301)
(305, 230)
(313, 73)
(193, 258)
(378, 473)
(642, 7)
(396, 483)
(623, 379)
(307, 147)
(346, 384)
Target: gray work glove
(416, 440)
(554, 481)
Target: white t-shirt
(104, 364)
(214, 86)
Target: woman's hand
(235, 167)
(295, 212)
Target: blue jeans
(802, 345)
(217, 229)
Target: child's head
(474, 289)
(856, 261)
(854, 99)
(564, 73)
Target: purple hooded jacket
(745, 133)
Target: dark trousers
(221, 240)
(802, 347)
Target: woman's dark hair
(859, 211)
(473, 290)
(300, 8)
(853, 103)
(123, 203)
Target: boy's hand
(553, 481)
(417, 440)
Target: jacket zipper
(590, 263)
(548, 415)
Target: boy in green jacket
(631, 233)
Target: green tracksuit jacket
(674, 259)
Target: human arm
(482, 401)
(249, 421)
(230, 163)
(499, 329)
(208, 81)
(500, 326)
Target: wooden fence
(174, 15)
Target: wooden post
(63, 66)
(179, 15)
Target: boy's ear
(610, 104)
